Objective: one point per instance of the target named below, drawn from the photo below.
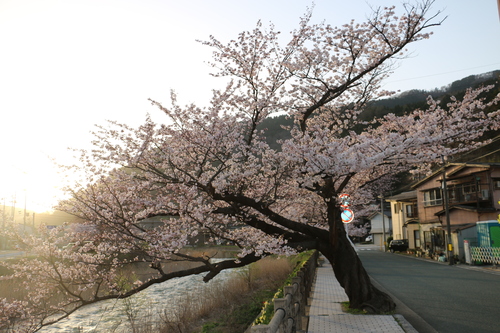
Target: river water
(113, 315)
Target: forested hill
(413, 99)
(399, 104)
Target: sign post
(347, 215)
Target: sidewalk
(326, 315)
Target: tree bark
(349, 269)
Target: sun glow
(35, 184)
(60, 74)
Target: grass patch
(210, 328)
(269, 281)
(267, 312)
(231, 306)
(347, 309)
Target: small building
(405, 223)
(473, 194)
(381, 225)
(488, 233)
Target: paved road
(448, 298)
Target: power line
(492, 152)
(497, 138)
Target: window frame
(433, 197)
(411, 210)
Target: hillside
(414, 99)
(406, 102)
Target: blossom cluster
(210, 171)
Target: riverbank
(244, 296)
(143, 272)
(228, 303)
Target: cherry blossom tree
(210, 169)
(355, 230)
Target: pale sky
(67, 65)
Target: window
(411, 210)
(469, 188)
(397, 207)
(496, 183)
(433, 197)
(416, 235)
(434, 239)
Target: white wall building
(381, 226)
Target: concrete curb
(405, 324)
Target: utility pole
(24, 219)
(13, 208)
(449, 243)
(383, 221)
(4, 240)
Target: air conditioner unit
(485, 194)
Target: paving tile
(347, 323)
(326, 315)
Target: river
(113, 315)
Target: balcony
(469, 193)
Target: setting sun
(37, 185)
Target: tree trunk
(349, 270)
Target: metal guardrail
(485, 254)
(289, 310)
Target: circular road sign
(345, 200)
(347, 215)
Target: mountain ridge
(398, 104)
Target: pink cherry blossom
(209, 169)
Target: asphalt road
(448, 298)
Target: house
(381, 225)
(405, 223)
(473, 195)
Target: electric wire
(497, 138)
